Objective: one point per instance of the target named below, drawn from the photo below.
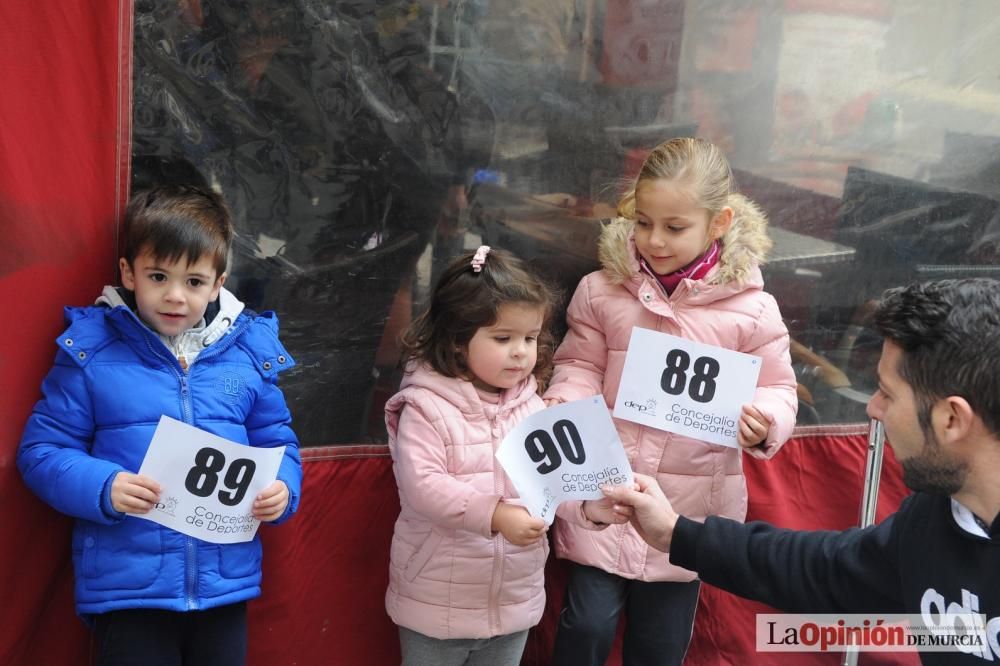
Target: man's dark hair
(949, 332)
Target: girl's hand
(133, 493)
(271, 502)
(753, 427)
(517, 525)
(602, 512)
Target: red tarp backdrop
(326, 571)
(64, 112)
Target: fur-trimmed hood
(744, 247)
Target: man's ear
(128, 277)
(720, 224)
(953, 420)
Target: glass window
(362, 144)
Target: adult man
(939, 398)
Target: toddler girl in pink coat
(466, 562)
(683, 258)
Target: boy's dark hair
(175, 221)
(949, 332)
(464, 301)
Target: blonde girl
(683, 258)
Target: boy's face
(171, 297)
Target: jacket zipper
(190, 547)
(656, 282)
(641, 435)
(493, 608)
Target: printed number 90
(541, 448)
(674, 378)
(204, 476)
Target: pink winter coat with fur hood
(450, 576)
(728, 308)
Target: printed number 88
(674, 378)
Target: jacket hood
(219, 317)
(461, 392)
(744, 247)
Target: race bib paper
(685, 387)
(208, 483)
(564, 453)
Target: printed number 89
(204, 476)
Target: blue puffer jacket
(102, 400)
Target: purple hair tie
(479, 258)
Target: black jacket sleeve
(796, 571)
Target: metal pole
(873, 471)
(869, 498)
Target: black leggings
(658, 619)
(152, 637)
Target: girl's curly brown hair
(464, 301)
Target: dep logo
(167, 506)
(648, 408)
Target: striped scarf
(696, 270)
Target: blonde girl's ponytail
(626, 205)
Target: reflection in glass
(361, 144)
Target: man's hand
(133, 493)
(517, 525)
(651, 514)
(271, 502)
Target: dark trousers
(658, 619)
(152, 637)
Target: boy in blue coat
(172, 341)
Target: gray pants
(420, 650)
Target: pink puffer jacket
(449, 575)
(728, 309)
